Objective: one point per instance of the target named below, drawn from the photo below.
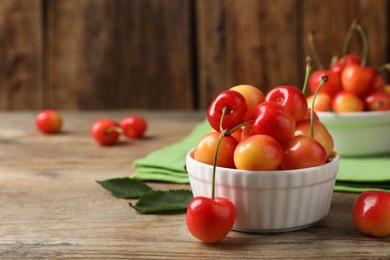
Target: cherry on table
(133, 126)
(105, 131)
(371, 213)
(49, 121)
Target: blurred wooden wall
(168, 54)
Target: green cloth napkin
(167, 165)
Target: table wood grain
(52, 207)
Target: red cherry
(105, 131)
(358, 80)
(348, 59)
(291, 98)
(210, 220)
(274, 120)
(345, 101)
(371, 213)
(236, 108)
(303, 152)
(378, 100)
(321, 134)
(48, 121)
(133, 126)
(330, 87)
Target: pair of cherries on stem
(106, 131)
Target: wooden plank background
(169, 54)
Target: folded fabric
(167, 165)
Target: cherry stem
(384, 67)
(241, 125)
(310, 38)
(309, 60)
(355, 26)
(215, 165)
(333, 60)
(114, 129)
(363, 37)
(347, 38)
(225, 110)
(324, 78)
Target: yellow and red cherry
(322, 103)
(274, 120)
(258, 153)
(253, 97)
(330, 87)
(206, 148)
(232, 105)
(133, 126)
(378, 100)
(105, 131)
(345, 101)
(307, 116)
(358, 80)
(291, 98)
(49, 121)
(210, 220)
(305, 147)
(320, 133)
(344, 61)
(371, 213)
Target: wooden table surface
(52, 207)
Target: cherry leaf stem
(312, 47)
(347, 38)
(324, 78)
(309, 60)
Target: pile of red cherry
(351, 87)
(272, 132)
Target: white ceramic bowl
(269, 201)
(358, 133)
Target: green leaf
(163, 201)
(125, 188)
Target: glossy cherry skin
(258, 153)
(253, 97)
(105, 131)
(378, 100)
(348, 59)
(133, 126)
(210, 220)
(371, 213)
(236, 110)
(321, 134)
(303, 152)
(291, 98)
(206, 147)
(358, 80)
(323, 102)
(49, 121)
(274, 120)
(330, 87)
(345, 101)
